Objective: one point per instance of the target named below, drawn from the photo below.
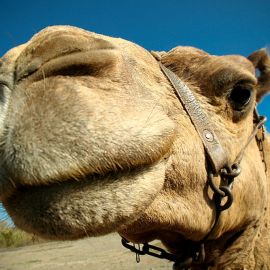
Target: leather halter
(219, 165)
(213, 148)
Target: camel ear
(261, 61)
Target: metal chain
(151, 250)
(154, 251)
(227, 175)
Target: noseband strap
(216, 154)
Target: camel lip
(100, 203)
(88, 178)
(53, 182)
(10, 185)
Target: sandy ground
(101, 253)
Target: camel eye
(240, 97)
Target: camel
(94, 140)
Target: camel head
(94, 140)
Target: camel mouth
(90, 206)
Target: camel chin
(92, 206)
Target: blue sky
(218, 27)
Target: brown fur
(94, 140)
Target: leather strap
(217, 156)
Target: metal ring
(231, 171)
(229, 196)
(215, 189)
